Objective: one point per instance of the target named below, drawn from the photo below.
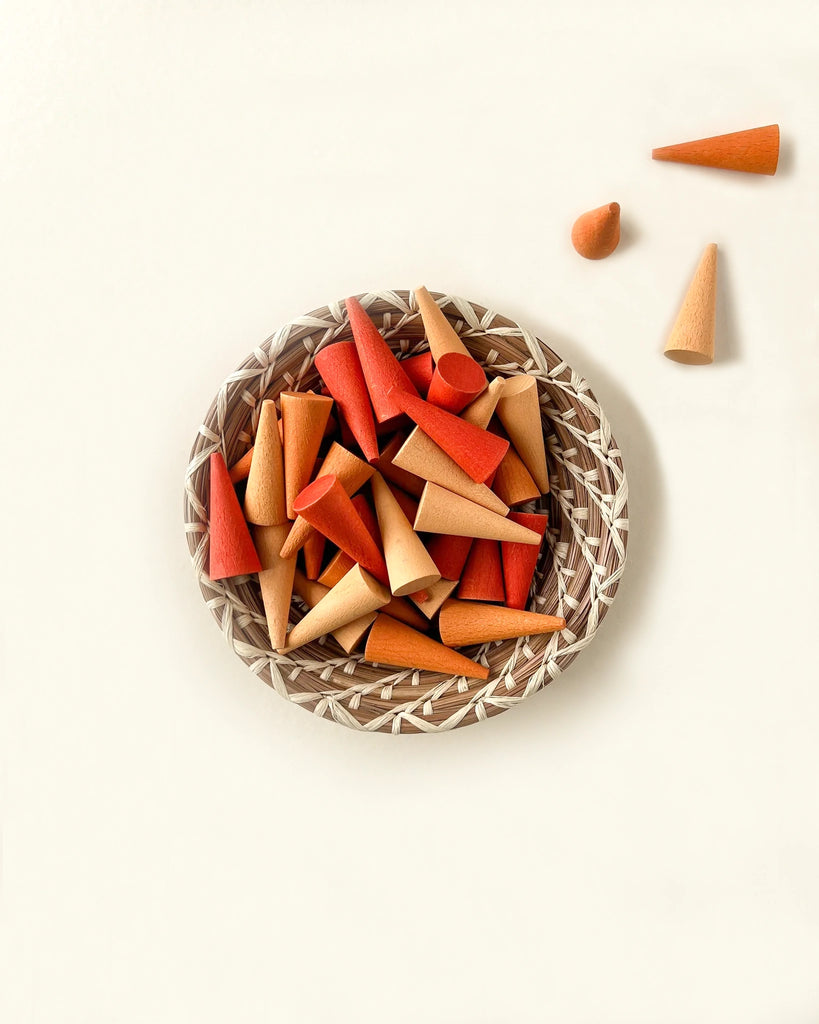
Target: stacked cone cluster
(386, 503)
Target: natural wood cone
(275, 580)
(304, 418)
(423, 457)
(393, 643)
(357, 594)
(513, 482)
(398, 607)
(692, 337)
(239, 470)
(347, 637)
(755, 151)
(341, 371)
(231, 551)
(264, 497)
(457, 381)
(480, 412)
(520, 560)
(352, 474)
(382, 371)
(419, 369)
(449, 554)
(408, 563)
(482, 578)
(408, 482)
(440, 333)
(314, 554)
(442, 511)
(519, 412)
(476, 451)
(434, 597)
(470, 622)
(596, 234)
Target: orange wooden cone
(482, 578)
(419, 369)
(382, 371)
(479, 412)
(755, 151)
(457, 381)
(440, 333)
(303, 418)
(393, 643)
(442, 511)
(347, 636)
(408, 482)
(239, 470)
(433, 597)
(596, 234)
(513, 482)
(231, 549)
(325, 505)
(470, 622)
(275, 580)
(519, 412)
(341, 371)
(449, 554)
(314, 554)
(264, 497)
(357, 594)
(520, 560)
(692, 337)
(476, 451)
(408, 563)
(423, 457)
(352, 474)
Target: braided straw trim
(577, 576)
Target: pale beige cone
(304, 417)
(355, 595)
(480, 412)
(409, 565)
(352, 474)
(275, 579)
(519, 412)
(436, 595)
(347, 637)
(264, 497)
(398, 607)
(440, 332)
(692, 337)
(442, 511)
(473, 622)
(513, 482)
(421, 455)
(393, 643)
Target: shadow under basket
(580, 565)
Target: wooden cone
(513, 482)
(434, 597)
(520, 560)
(382, 371)
(239, 470)
(480, 412)
(264, 498)
(482, 578)
(596, 234)
(408, 563)
(393, 643)
(440, 332)
(470, 622)
(325, 505)
(692, 337)
(398, 607)
(476, 451)
(341, 563)
(755, 151)
(449, 554)
(304, 418)
(457, 381)
(314, 554)
(423, 457)
(231, 549)
(408, 482)
(442, 511)
(357, 594)
(347, 637)
(275, 580)
(408, 504)
(352, 474)
(341, 371)
(519, 412)
(419, 369)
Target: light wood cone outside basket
(755, 151)
(440, 332)
(393, 643)
(471, 622)
(348, 636)
(275, 580)
(692, 337)
(519, 412)
(357, 594)
(596, 234)
(442, 511)
(409, 565)
(264, 496)
(480, 412)
(304, 418)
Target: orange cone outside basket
(231, 548)
(755, 151)
(520, 560)
(408, 482)
(347, 636)
(393, 643)
(457, 381)
(264, 496)
(482, 578)
(275, 580)
(441, 335)
(470, 622)
(382, 371)
(357, 594)
(419, 369)
(409, 565)
(449, 554)
(304, 418)
(692, 337)
(519, 412)
(341, 371)
(442, 511)
(596, 234)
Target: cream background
(640, 842)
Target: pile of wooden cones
(395, 487)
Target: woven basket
(579, 569)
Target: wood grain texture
(449, 554)
(471, 622)
(482, 578)
(304, 417)
(442, 511)
(357, 594)
(755, 151)
(692, 337)
(394, 643)
(513, 482)
(348, 636)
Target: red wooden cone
(326, 505)
(341, 371)
(314, 554)
(755, 150)
(419, 369)
(482, 578)
(520, 560)
(231, 548)
(239, 470)
(393, 643)
(476, 451)
(382, 370)
(457, 380)
(449, 553)
(408, 482)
